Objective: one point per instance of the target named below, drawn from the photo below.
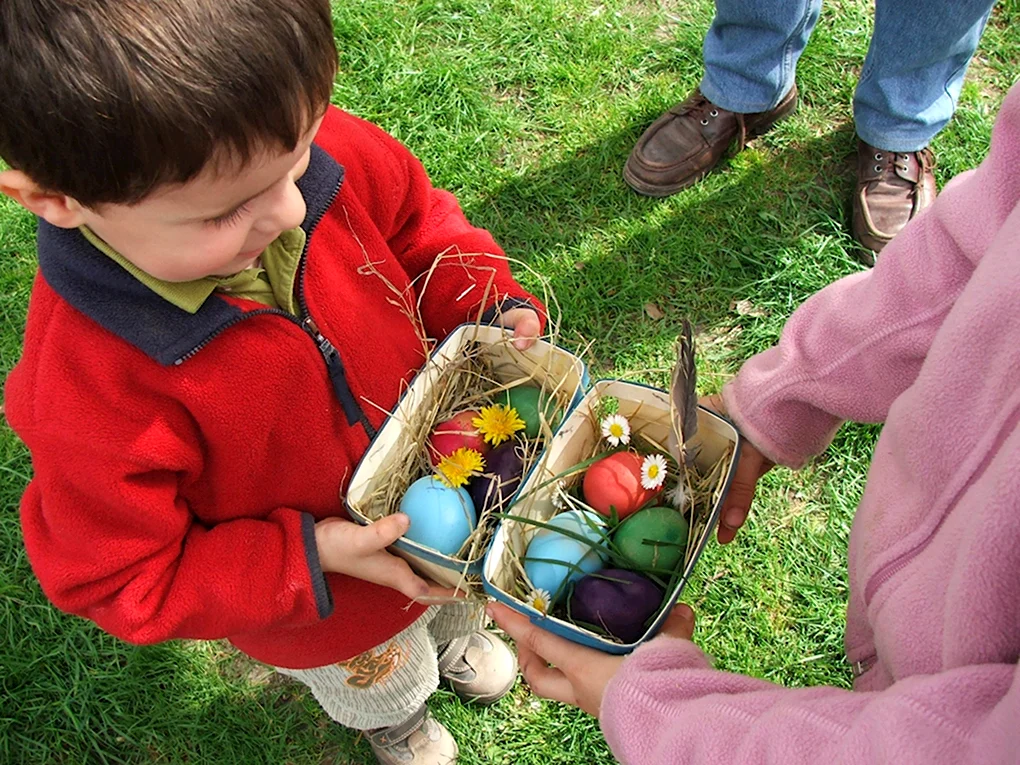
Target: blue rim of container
(427, 553)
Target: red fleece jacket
(177, 500)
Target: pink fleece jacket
(929, 343)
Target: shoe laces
(699, 107)
(888, 162)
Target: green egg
(655, 537)
(528, 400)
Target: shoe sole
(657, 192)
(486, 700)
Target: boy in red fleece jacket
(229, 299)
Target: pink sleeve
(666, 705)
(852, 348)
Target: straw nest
(694, 487)
(471, 379)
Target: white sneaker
(420, 740)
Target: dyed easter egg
(531, 404)
(619, 601)
(655, 537)
(550, 556)
(442, 518)
(583, 522)
(502, 476)
(549, 559)
(453, 434)
(615, 482)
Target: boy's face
(215, 225)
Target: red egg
(453, 434)
(615, 482)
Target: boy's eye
(231, 217)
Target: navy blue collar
(98, 287)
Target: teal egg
(655, 537)
(529, 400)
(583, 522)
(442, 518)
(553, 560)
(541, 563)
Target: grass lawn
(527, 110)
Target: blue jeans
(911, 77)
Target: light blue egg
(588, 524)
(442, 518)
(547, 546)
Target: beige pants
(386, 684)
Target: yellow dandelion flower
(456, 469)
(498, 423)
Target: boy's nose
(287, 210)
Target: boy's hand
(752, 466)
(578, 675)
(525, 324)
(360, 551)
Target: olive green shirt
(270, 281)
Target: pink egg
(453, 434)
(615, 482)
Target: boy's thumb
(389, 529)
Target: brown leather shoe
(686, 142)
(892, 188)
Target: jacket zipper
(891, 569)
(862, 666)
(334, 364)
(895, 566)
(236, 320)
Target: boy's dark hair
(106, 100)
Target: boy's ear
(58, 209)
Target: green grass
(527, 109)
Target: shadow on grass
(78, 695)
(769, 224)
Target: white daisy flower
(678, 496)
(616, 429)
(540, 600)
(653, 471)
(559, 496)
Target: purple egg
(619, 604)
(502, 476)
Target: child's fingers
(380, 534)
(530, 638)
(713, 402)
(751, 467)
(741, 494)
(452, 593)
(526, 331)
(679, 623)
(390, 571)
(545, 681)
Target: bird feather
(683, 396)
